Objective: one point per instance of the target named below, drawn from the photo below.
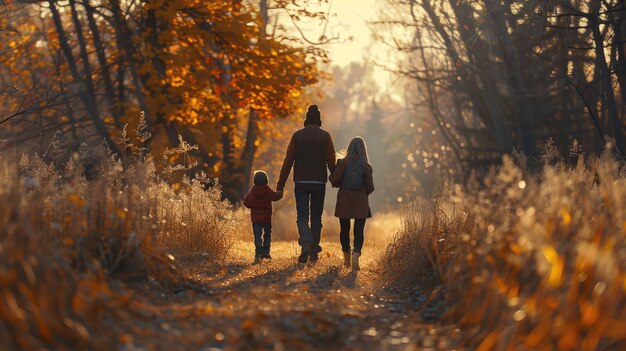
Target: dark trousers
(310, 205)
(344, 235)
(262, 238)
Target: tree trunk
(104, 65)
(490, 118)
(605, 78)
(84, 56)
(249, 150)
(492, 108)
(231, 175)
(121, 87)
(511, 60)
(87, 99)
(618, 45)
(123, 39)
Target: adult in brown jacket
(310, 153)
(353, 177)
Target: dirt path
(281, 305)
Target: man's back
(311, 146)
(310, 152)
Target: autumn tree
(208, 71)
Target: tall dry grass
(529, 261)
(69, 229)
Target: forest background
(439, 89)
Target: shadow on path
(236, 279)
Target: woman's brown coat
(352, 203)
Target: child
(259, 201)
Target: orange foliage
(217, 62)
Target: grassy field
(104, 256)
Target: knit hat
(313, 116)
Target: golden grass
(64, 239)
(533, 261)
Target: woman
(353, 177)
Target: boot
(304, 256)
(346, 259)
(355, 260)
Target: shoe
(346, 259)
(267, 256)
(355, 261)
(304, 256)
(313, 257)
(257, 258)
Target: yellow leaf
(567, 218)
(296, 93)
(177, 82)
(556, 266)
(516, 248)
(77, 200)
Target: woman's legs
(344, 234)
(359, 228)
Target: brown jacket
(352, 203)
(310, 152)
(259, 201)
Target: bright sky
(349, 19)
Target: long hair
(357, 149)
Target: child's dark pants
(262, 238)
(344, 235)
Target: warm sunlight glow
(350, 23)
(312, 175)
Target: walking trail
(282, 305)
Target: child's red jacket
(259, 201)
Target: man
(310, 152)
